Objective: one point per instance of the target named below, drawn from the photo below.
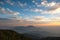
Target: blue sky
(29, 12)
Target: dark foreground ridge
(50, 38)
(12, 35)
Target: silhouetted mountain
(50, 38)
(30, 26)
(12, 35)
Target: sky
(29, 12)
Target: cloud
(8, 22)
(13, 18)
(55, 7)
(44, 8)
(4, 19)
(41, 20)
(36, 10)
(37, 19)
(33, 1)
(49, 7)
(8, 11)
(47, 4)
(22, 4)
(55, 10)
(55, 18)
(36, 3)
(11, 22)
(10, 2)
(17, 3)
(10, 14)
(1, 2)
